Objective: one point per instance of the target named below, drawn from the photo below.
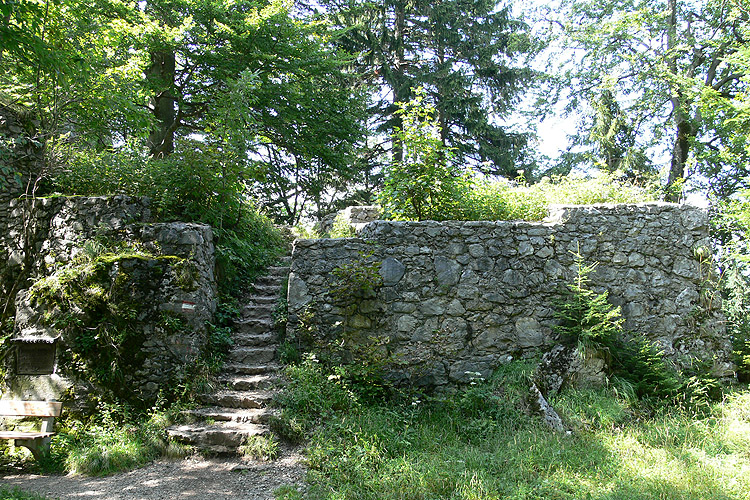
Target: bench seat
(36, 441)
(24, 435)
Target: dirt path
(193, 478)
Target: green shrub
(341, 228)
(426, 184)
(736, 307)
(641, 364)
(587, 319)
(198, 183)
(731, 232)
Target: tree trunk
(682, 142)
(161, 74)
(680, 153)
(400, 86)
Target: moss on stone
(104, 307)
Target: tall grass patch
(486, 199)
(480, 444)
(114, 439)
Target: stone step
(238, 399)
(278, 271)
(266, 290)
(223, 437)
(251, 355)
(239, 382)
(255, 339)
(262, 299)
(219, 414)
(253, 325)
(259, 311)
(269, 280)
(251, 369)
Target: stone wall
(163, 279)
(464, 297)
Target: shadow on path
(192, 478)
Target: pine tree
(586, 317)
(466, 54)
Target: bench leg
(39, 447)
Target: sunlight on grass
(479, 444)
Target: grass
(497, 200)
(486, 199)
(479, 444)
(17, 494)
(113, 440)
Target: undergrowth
(479, 443)
(114, 438)
(17, 494)
(197, 183)
(485, 199)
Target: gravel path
(194, 478)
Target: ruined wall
(463, 297)
(157, 279)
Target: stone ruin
(448, 301)
(173, 279)
(441, 302)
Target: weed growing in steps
(479, 444)
(260, 448)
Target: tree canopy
(467, 55)
(657, 61)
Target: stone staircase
(249, 379)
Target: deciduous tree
(659, 57)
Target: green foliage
(17, 494)
(425, 184)
(287, 492)
(731, 228)
(310, 398)
(220, 330)
(341, 228)
(357, 279)
(641, 364)
(260, 448)
(638, 364)
(468, 56)
(666, 72)
(501, 200)
(584, 316)
(198, 184)
(114, 439)
(479, 444)
(489, 200)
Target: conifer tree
(467, 55)
(586, 317)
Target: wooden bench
(37, 442)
